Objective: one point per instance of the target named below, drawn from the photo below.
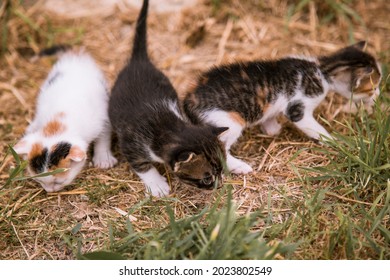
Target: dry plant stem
(352, 200)
(237, 31)
(223, 41)
(21, 243)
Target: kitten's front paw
(237, 166)
(271, 127)
(369, 106)
(158, 189)
(353, 107)
(273, 130)
(322, 139)
(350, 107)
(104, 161)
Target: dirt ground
(181, 44)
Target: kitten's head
(354, 73)
(199, 157)
(45, 158)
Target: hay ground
(181, 44)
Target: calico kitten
(250, 93)
(71, 112)
(144, 112)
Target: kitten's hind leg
(155, 184)
(103, 157)
(271, 127)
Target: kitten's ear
(218, 130)
(22, 147)
(77, 154)
(183, 158)
(360, 45)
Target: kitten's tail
(139, 47)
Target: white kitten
(71, 112)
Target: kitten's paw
(237, 166)
(354, 107)
(272, 127)
(369, 106)
(273, 130)
(322, 139)
(104, 160)
(158, 189)
(155, 184)
(350, 107)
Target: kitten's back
(140, 86)
(77, 90)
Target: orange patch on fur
(368, 85)
(64, 163)
(266, 107)
(53, 127)
(76, 154)
(261, 93)
(237, 118)
(36, 150)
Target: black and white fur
(144, 112)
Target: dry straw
(33, 224)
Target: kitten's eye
(369, 69)
(208, 180)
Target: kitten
(249, 93)
(71, 112)
(144, 112)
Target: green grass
(31, 33)
(354, 224)
(211, 234)
(343, 213)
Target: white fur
(78, 98)
(174, 108)
(271, 127)
(308, 124)
(278, 107)
(171, 105)
(153, 156)
(155, 184)
(222, 119)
